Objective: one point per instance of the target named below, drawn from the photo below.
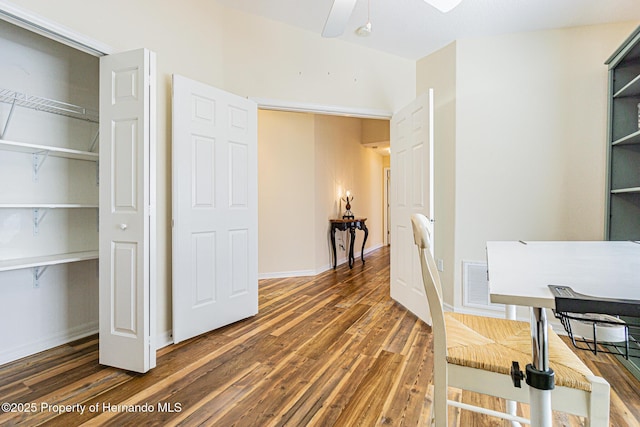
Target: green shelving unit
(623, 199)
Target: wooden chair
(475, 353)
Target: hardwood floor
(327, 350)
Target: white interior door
(412, 192)
(215, 212)
(127, 131)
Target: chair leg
(440, 412)
(598, 403)
(440, 390)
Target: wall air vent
(475, 286)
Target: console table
(350, 224)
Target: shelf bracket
(38, 161)
(37, 274)
(95, 141)
(37, 219)
(6, 125)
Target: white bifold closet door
(215, 212)
(411, 192)
(127, 194)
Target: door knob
(123, 226)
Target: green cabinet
(623, 204)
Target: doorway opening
(308, 160)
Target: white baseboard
(320, 270)
(371, 249)
(285, 274)
(356, 255)
(500, 314)
(10, 354)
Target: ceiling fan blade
(443, 6)
(338, 17)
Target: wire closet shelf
(48, 105)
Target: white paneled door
(412, 192)
(127, 131)
(215, 212)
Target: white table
(520, 272)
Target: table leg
(539, 375)
(353, 241)
(366, 234)
(333, 245)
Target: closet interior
(48, 193)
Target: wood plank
(365, 406)
(216, 404)
(340, 396)
(373, 330)
(400, 337)
(324, 340)
(306, 406)
(406, 402)
(23, 368)
(272, 391)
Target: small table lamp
(348, 214)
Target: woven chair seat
(492, 344)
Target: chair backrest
(431, 282)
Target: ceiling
(413, 29)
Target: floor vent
(475, 286)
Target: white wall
(237, 52)
(343, 164)
(278, 61)
(530, 138)
(286, 197)
(438, 72)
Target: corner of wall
(438, 71)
